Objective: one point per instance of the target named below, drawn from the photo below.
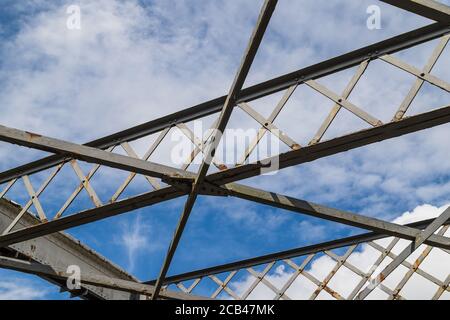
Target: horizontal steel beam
(89, 154)
(91, 215)
(337, 145)
(92, 279)
(426, 8)
(291, 158)
(316, 210)
(249, 55)
(260, 90)
(66, 150)
(287, 254)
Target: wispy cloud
(129, 58)
(134, 238)
(133, 61)
(21, 289)
(307, 231)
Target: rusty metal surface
(61, 250)
(300, 275)
(167, 182)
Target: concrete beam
(90, 279)
(60, 250)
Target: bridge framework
(21, 232)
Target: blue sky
(137, 60)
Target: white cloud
(20, 289)
(310, 231)
(129, 64)
(437, 264)
(134, 238)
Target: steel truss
(170, 183)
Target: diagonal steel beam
(86, 184)
(337, 107)
(146, 156)
(262, 130)
(269, 126)
(91, 215)
(403, 108)
(197, 181)
(199, 145)
(76, 192)
(321, 69)
(334, 146)
(89, 154)
(60, 250)
(413, 268)
(30, 202)
(34, 199)
(131, 153)
(8, 187)
(343, 102)
(257, 281)
(250, 53)
(356, 220)
(396, 62)
(426, 8)
(416, 243)
(287, 254)
(309, 153)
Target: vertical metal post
(255, 40)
